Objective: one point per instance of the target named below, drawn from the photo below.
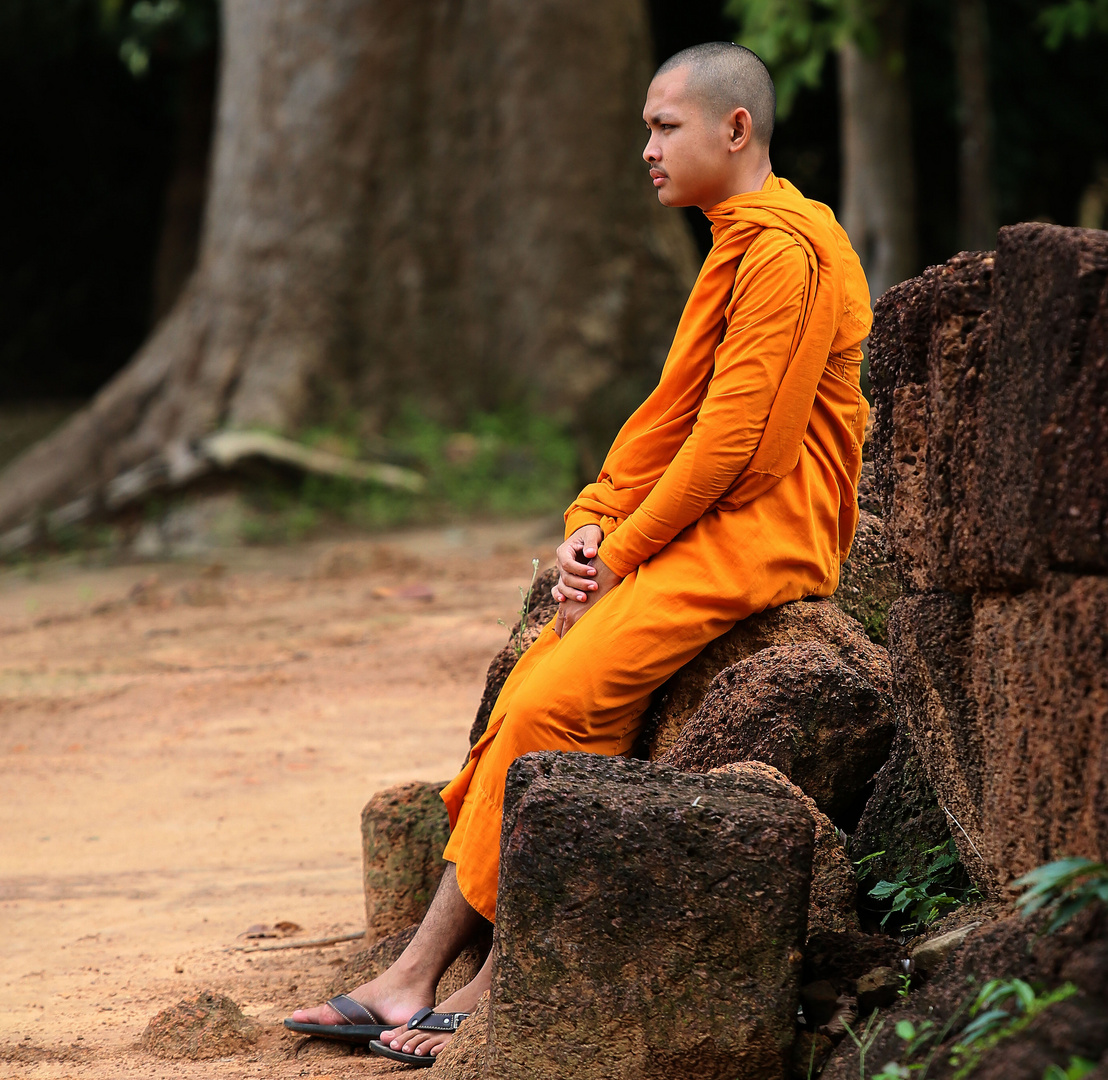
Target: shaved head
(725, 76)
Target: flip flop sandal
(424, 1020)
(420, 1061)
(361, 1026)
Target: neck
(748, 176)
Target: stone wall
(990, 377)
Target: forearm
(750, 363)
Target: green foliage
(990, 1024)
(1072, 19)
(794, 37)
(510, 464)
(1075, 1070)
(1064, 887)
(145, 27)
(920, 898)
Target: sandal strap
(427, 1020)
(353, 1012)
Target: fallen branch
(180, 465)
(303, 943)
(228, 448)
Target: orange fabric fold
(730, 490)
(779, 294)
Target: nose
(651, 154)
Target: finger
(581, 569)
(573, 594)
(572, 584)
(558, 595)
(590, 551)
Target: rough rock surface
(404, 832)
(648, 923)
(843, 958)
(868, 582)
(927, 348)
(902, 818)
(791, 624)
(1008, 948)
(991, 399)
(821, 716)
(1007, 701)
(543, 608)
(834, 886)
(206, 1026)
(466, 1055)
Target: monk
(731, 489)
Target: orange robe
(731, 489)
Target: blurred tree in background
(925, 123)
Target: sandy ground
(185, 751)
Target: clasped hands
(582, 577)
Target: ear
(742, 130)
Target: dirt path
(185, 750)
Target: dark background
(91, 152)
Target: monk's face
(689, 152)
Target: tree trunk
(879, 199)
(441, 201)
(976, 206)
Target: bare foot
(391, 997)
(432, 1042)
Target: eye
(667, 127)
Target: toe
(321, 1014)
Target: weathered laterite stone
(831, 901)
(902, 819)
(678, 699)
(649, 923)
(868, 583)
(404, 832)
(823, 718)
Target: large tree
(440, 202)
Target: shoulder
(774, 263)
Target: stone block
(1007, 702)
(649, 923)
(1040, 663)
(404, 832)
(929, 340)
(931, 645)
(825, 719)
(902, 818)
(868, 581)
(678, 699)
(1042, 443)
(990, 380)
(831, 903)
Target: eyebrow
(662, 118)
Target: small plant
(920, 898)
(990, 1024)
(865, 1041)
(525, 608)
(1064, 887)
(1075, 1070)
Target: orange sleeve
(763, 327)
